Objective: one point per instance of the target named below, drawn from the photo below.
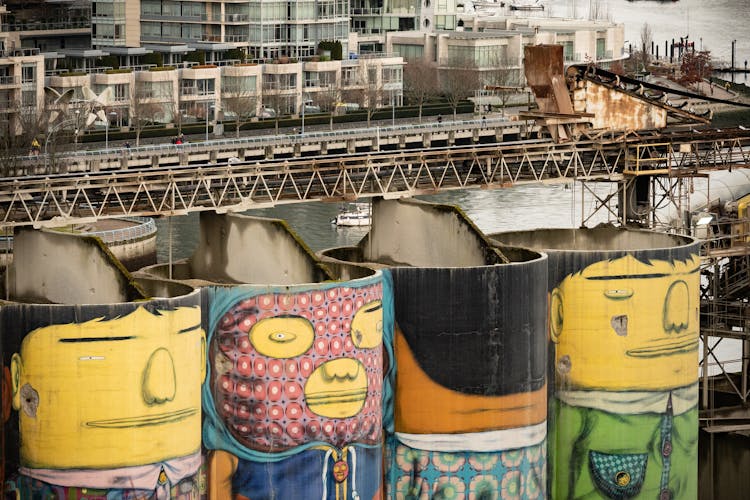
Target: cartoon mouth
(145, 420)
(336, 397)
(665, 349)
(337, 388)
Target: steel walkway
(61, 199)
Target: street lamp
(106, 128)
(304, 105)
(208, 108)
(78, 112)
(393, 107)
(51, 131)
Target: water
(527, 206)
(712, 25)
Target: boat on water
(526, 5)
(354, 214)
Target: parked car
(346, 107)
(267, 113)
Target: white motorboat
(526, 5)
(354, 214)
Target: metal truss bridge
(61, 199)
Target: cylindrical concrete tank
(624, 323)
(470, 399)
(293, 398)
(131, 239)
(295, 388)
(106, 397)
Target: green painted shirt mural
(620, 455)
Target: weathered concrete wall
(63, 268)
(135, 254)
(242, 249)
(414, 233)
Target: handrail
(123, 235)
(307, 137)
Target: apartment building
(21, 80)
(372, 19)
(281, 69)
(262, 29)
(489, 45)
(190, 92)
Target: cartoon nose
(159, 378)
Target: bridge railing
(307, 137)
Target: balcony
(236, 38)
(374, 11)
(20, 52)
(147, 16)
(237, 18)
(8, 106)
(10, 81)
(48, 26)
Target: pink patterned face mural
(291, 369)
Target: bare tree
(327, 99)
(420, 83)
(145, 108)
(504, 78)
(276, 101)
(368, 93)
(647, 36)
(459, 83)
(240, 105)
(12, 144)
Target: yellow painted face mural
(110, 393)
(615, 320)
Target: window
(600, 48)
(121, 91)
(392, 74)
(28, 98)
(349, 76)
(409, 52)
(239, 84)
(151, 29)
(28, 74)
(151, 7)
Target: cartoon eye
(677, 308)
(367, 325)
(619, 294)
(282, 337)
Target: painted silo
(104, 375)
(624, 326)
(469, 406)
(293, 398)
